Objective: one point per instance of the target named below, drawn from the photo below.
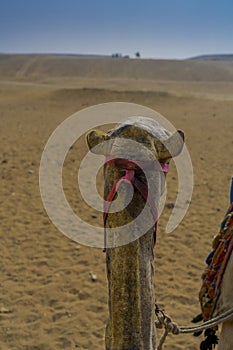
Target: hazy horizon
(110, 55)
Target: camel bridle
(129, 167)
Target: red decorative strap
(129, 166)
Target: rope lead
(164, 321)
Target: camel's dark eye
(140, 175)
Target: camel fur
(130, 267)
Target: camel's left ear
(95, 141)
(173, 145)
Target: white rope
(162, 340)
(225, 316)
(164, 321)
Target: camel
(130, 267)
(224, 303)
(216, 291)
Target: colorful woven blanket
(216, 264)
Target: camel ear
(95, 141)
(173, 145)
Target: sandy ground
(47, 298)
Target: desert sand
(48, 299)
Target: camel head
(162, 144)
(141, 139)
(157, 143)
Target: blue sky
(155, 28)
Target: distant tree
(116, 55)
(137, 54)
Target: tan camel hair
(130, 267)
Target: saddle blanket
(216, 264)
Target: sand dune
(31, 67)
(47, 298)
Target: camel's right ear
(95, 141)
